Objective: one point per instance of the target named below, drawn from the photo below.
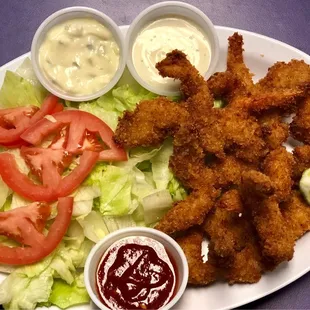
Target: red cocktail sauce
(136, 273)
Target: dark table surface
(285, 20)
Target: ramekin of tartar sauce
(78, 53)
(162, 28)
(136, 268)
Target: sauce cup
(60, 17)
(102, 246)
(166, 9)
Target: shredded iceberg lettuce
(17, 91)
(137, 192)
(29, 285)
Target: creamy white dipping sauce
(161, 37)
(80, 56)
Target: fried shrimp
(302, 161)
(296, 212)
(234, 131)
(178, 218)
(239, 177)
(278, 165)
(295, 74)
(222, 83)
(193, 85)
(150, 123)
(236, 65)
(275, 131)
(300, 126)
(223, 228)
(276, 241)
(232, 240)
(188, 159)
(200, 273)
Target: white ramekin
(67, 14)
(99, 249)
(171, 8)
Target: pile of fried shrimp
(242, 182)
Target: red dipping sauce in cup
(136, 273)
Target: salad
(104, 192)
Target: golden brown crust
(199, 273)
(278, 165)
(295, 74)
(188, 212)
(300, 126)
(302, 161)
(150, 123)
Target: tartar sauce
(161, 37)
(80, 56)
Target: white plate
(260, 53)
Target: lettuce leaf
(160, 166)
(17, 91)
(111, 106)
(29, 285)
(64, 295)
(4, 193)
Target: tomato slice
(84, 131)
(25, 225)
(13, 122)
(48, 169)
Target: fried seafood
(150, 123)
(278, 165)
(273, 92)
(200, 273)
(295, 74)
(275, 131)
(302, 161)
(296, 212)
(228, 171)
(193, 86)
(223, 225)
(241, 181)
(247, 266)
(276, 241)
(233, 243)
(188, 159)
(189, 212)
(233, 131)
(300, 126)
(222, 83)
(236, 65)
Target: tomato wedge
(25, 225)
(80, 131)
(47, 164)
(13, 122)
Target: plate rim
(20, 58)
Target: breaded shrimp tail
(193, 85)
(235, 62)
